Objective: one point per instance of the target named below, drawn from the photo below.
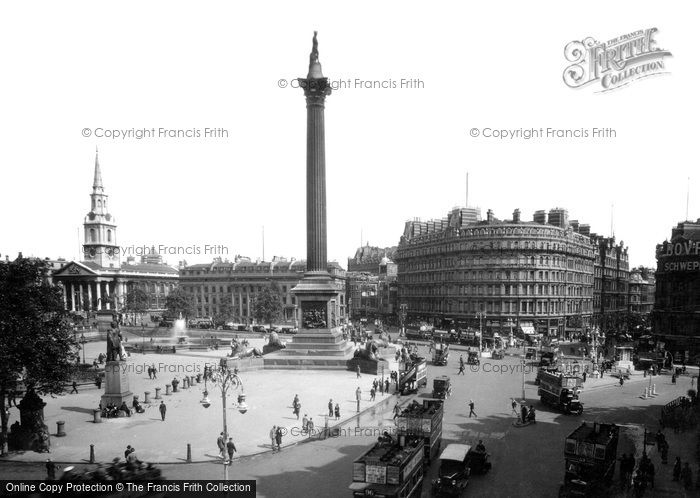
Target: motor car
(454, 471)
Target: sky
(72, 72)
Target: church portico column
(65, 298)
(98, 286)
(108, 297)
(89, 288)
(72, 297)
(81, 304)
(118, 291)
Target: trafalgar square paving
(269, 395)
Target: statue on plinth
(115, 350)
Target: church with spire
(101, 283)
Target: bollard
(167, 389)
(653, 389)
(192, 380)
(97, 416)
(59, 428)
(189, 453)
(157, 392)
(185, 383)
(644, 394)
(92, 453)
(147, 397)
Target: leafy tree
(225, 314)
(37, 345)
(136, 301)
(179, 302)
(267, 305)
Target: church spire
(97, 182)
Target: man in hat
(231, 450)
(221, 444)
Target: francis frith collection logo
(616, 62)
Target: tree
(267, 305)
(225, 314)
(136, 301)
(37, 344)
(179, 303)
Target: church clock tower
(100, 245)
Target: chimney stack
(489, 215)
(516, 216)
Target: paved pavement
(269, 395)
(526, 461)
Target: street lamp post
(143, 338)
(82, 344)
(226, 379)
(480, 316)
(523, 383)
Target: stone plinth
(116, 384)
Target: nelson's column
(319, 343)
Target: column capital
(315, 89)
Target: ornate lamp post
(226, 379)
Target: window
(109, 235)
(92, 235)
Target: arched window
(99, 203)
(92, 235)
(109, 235)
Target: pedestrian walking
(358, 371)
(386, 386)
(50, 470)
(304, 423)
(397, 411)
(273, 435)
(584, 376)
(622, 380)
(337, 411)
(278, 438)
(153, 369)
(461, 369)
(514, 406)
(381, 387)
(231, 448)
(297, 410)
(330, 407)
(310, 426)
(221, 444)
(687, 476)
(98, 382)
(162, 409)
(75, 388)
(150, 373)
(471, 408)
(677, 469)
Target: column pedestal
(116, 384)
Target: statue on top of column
(314, 50)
